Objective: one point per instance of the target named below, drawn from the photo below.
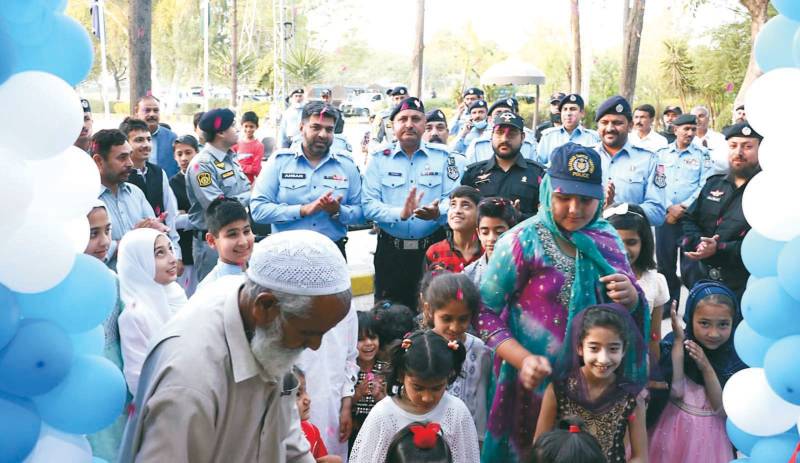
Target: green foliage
(304, 65)
(259, 107)
(678, 68)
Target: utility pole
(234, 54)
(419, 45)
(139, 46)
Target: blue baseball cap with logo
(576, 170)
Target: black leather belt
(405, 245)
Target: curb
(362, 284)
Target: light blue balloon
(788, 8)
(760, 254)
(20, 11)
(54, 5)
(751, 346)
(90, 398)
(36, 360)
(33, 33)
(92, 342)
(9, 316)
(743, 441)
(80, 302)
(773, 449)
(769, 310)
(789, 268)
(19, 428)
(98, 460)
(67, 52)
(780, 366)
(8, 56)
(773, 47)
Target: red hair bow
(425, 437)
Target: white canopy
(512, 72)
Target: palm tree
(678, 68)
(305, 65)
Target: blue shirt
(290, 125)
(213, 173)
(125, 209)
(554, 137)
(220, 270)
(686, 172)
(461, 144)
(288, 181)
(391, 174)
(633, 172)
(164, 153)
(481, 148)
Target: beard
(747, 171)
(267, 347)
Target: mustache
(435, 139)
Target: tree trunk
(632, 37)
(419, 45)
(758, 17)
(575, 24)
(139, 46)
(234, 55)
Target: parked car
(364, 104)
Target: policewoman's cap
(509, 119)
(510, 103)
(87, 108)
(673, 109)
(572, 98)
(685, 119)
(576, 170)
(435, 116)
(478, 104)
(186, 140)
(398, 91)
(473, 91)
(297, 90)
(614, 105)
(216, 120)
(555, 98)
(741, 129)
(412, 103)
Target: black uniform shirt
(718, 211)
(521, 182)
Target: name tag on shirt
(293, 175)
(395, 174)
(227, 174)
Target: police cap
(412, 103)
(614, 105)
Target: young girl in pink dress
(697, 363)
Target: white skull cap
(299, 262)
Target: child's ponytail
(568, 443)
(425, 355)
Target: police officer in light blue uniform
(436, 135)
(481, 149)
(310, 186)
(476, 127)
(631, 174)
(290, 121)
(572, 111)
(406, 192)
(687, 166)
(461, 116)
(382, 132)
(340, 143)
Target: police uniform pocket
(393, 181)
(430, 181)
(292, 184)
(335, 184)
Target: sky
(511, 22)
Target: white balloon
(782, 85)
(76, 232)
(16, 189)
(67, 184)
(776, 154)
(42, 115)
(769, 207)
(36, 256)
(54, 445)
(754, 407)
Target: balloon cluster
(55, 385)
(763, 402)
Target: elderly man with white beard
(216, 385)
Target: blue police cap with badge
(576, 170)
(473, 91)
(741, 129)
(572, 98)
(397, 91)
(614, 105)
(510, 103)
(685, 119)
(412, 103)
(477, 104)
(435, 116)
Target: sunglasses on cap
(621, 209)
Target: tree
(758, 10)
(575, 26)
(139, 43)
(632, 37)
(419, 46)
(304, 65)
(678, 69)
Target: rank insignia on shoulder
(219, 164)
(204, 179)
(227, 174)
(717, 193)
(387, 152)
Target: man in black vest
(152, 180)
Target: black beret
(435, 116)
(738, 107)
(87, 108)
(614, 105)
(673, 109)
(684, 119)
(297, 90)
(741, 129)
(473, 91)
(397, 91)
(477, 104)
(409, 103)
(557, 97)
(510, 103)
(216, 120)
(509, 119)
(573, 98)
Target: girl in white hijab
(147, 271)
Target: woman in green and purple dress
(543, 272)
